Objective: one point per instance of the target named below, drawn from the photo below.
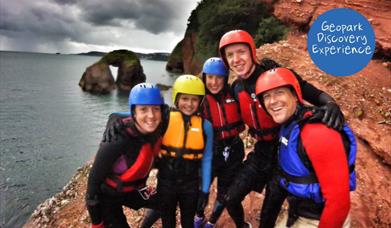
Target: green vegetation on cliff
(212, 18)
(120, 56)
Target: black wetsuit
(104, 203)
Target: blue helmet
(145, 94)
(215, 66)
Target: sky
(75, 26)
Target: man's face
(280, 103)
(239, 59)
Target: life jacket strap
(188, 154)
(310, 179)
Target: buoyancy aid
(297, 175)
(224, 115)
(183, 140)
(262, 127)
(128, 175)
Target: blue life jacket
(297, 175)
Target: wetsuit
(327, 197)
(120, 168)
(261, 163)
(183, 173)
(228, 149)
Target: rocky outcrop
(98, 78)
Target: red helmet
(237, 37)
(275, 78)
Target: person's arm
(333, 115)
(105, 157)
(206, 169)
(114, 126)
(206, 166)
(331, 168)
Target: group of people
(304, 154)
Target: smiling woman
(121, 168)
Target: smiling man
(316, 185)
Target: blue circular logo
(341, 42)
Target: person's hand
(114, 128)
(202, 203)
(333, 116)
(100, 225)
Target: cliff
(297, 15)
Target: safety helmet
(145, 94)
(237, 37)
(215, 66)
(188, 84)
(275, 78)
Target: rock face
(302, 13)
(98, 78)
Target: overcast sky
(73, 26)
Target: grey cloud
(154, 16)
(32, 25)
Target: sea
(49, 127)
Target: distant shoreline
(158, 56)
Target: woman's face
(214, 83)
(147, 117)
(188, 104)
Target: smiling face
(214, 83)
(280, 103)
(188, 104)
(239, 60)
(147, 117)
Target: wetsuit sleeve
(206, 166)
(331, 167)
(104, 159)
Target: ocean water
(49, 127)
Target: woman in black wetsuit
(121, 167)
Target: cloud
(155, 16)
(66, 25)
